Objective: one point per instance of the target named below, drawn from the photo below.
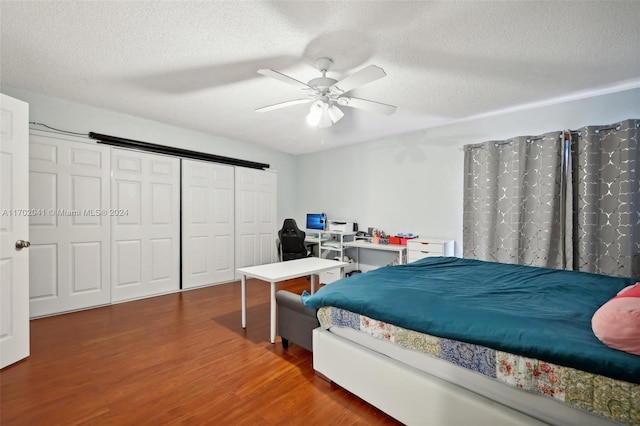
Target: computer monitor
(316, 221)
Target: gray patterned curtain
(513, 201)
(567, 200)
(607, 199)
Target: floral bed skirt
(614, 399)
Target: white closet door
(70, 242)
(14, 226)
(207, 223)
(256, 228)
(145, 258)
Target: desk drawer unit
(327, 277)
(420, 248)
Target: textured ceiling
(193, 64)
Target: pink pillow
(617, 322)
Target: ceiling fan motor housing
(322, 83)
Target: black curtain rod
(162, 149)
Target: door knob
(20, 244)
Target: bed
(457, 341)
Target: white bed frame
(415, 397)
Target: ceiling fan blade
(284, 78)
(367, 105)
(283, 104)
(364, 76)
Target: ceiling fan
(327, 93)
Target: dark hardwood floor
(176, 359)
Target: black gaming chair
(292, 241)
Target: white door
(207, 223)
(145, 242)
(70, 243)
(256, 228)
(14, 226)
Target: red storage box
(394, 240)
(400, 240)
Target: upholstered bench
(295, 321)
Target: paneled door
(207, 223)
(145, 238)
(14, 230)
(69, 184)
(256, 228)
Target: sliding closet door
(207, 223)
(256, 228)
(70, 233)
(145, 258)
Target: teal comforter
(534, 312)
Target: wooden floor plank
(176, 359)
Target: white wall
(75, 117)
(413, 183)
(408, 183)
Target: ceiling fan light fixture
(335, 113)
(315, 114)
(323, 114)
(325, 120)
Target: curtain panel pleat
(565, 199)
(513, 201)
(607, 199)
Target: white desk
(366, 245)
(280, 271)
(311, 241)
